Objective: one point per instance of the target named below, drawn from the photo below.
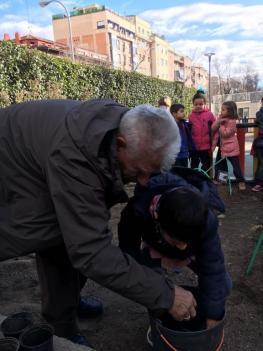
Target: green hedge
(27, 74)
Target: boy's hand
(210, 323)
(184, 304)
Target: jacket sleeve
(228, 130)
(259, 117)
(214, 281)
(79, 200)
(129, 231)
(191, 145)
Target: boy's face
(199, 105)
(179, 114)
(174, 242)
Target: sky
(233, 30)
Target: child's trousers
(234, 160)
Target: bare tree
(230, 80)
(249, 78)
(143, 56)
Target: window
(111, 25)
(100, 24)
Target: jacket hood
(179, 176)
(89, 123)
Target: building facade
(58, 49)
(128, 42)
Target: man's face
(136, 170)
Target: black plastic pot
(39, 337)
(181, 338)
(16, 323)
(9, 344)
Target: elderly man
(63, 164)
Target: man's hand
(184, 304)
(210, 323)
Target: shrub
(27, 74)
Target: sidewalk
(60, 344)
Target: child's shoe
(257, 188)
(241, 186)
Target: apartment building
(199, 77)
(127, 41)
(142, 45)
(101, 30)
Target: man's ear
(121, 142)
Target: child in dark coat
(187, 144)
(170, 222)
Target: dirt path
(124, 323)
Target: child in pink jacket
(201, 120)
(225, 129)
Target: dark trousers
(234, 160)
(60, 286)
(259, 170)
(181, 162)
(203, 156)
(221, 166)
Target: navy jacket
(187, 144)
(136, 224)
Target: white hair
(148, 129)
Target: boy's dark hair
(261, 99)
(199, 95)
(176, 107)
(182, 213)
(231, 109)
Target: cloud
(24, 27)
(241, 53)
(228, 29)
(215, 20)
